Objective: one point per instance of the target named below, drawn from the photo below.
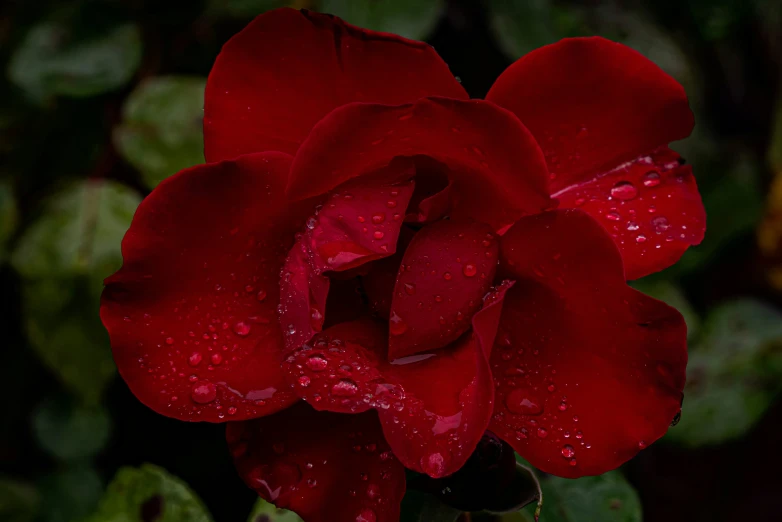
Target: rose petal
(589, 371)
(595, 105)
(496, 168)
(191, 314)
(432, 198)
(322, 466)
(354, 226)
(379, 282)
(288, 69)
(650, 206)
(446, 270)
(431, 428)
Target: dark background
(78, 124)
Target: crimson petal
(446, 270)
(322, 466)
(287, 69)
(355, 225)
(432, 429)
(600, 112)
(588, 370)
(191, 313)
(497, 170)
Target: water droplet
(304, 381)
(317, 363)
(551, 388)
(632, 225)
(204, 392)
(216, 358)
(568, 452)
(344, 388)
(641, 444)
(447, 276)
(433, 464)
(232, 410)
(624, 190)
(366, 515)
(469, 270)
(520, 401)
(640, 238)
(613, 216)
(242, 328)
(194, 359)
(660, 224)
(311, 223)
(291, 329)
(562, 406)
(378, 218)
(169, 341)
(373, 490)
(409, 288)
(651, 179)
(317, 317)
(542, 433)
(261, 295)
(378, 234)
(396, 326)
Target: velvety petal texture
(589, 371)
(497, 170)
(288, 69)
(600, 111)
(192, 313)
(323, 466)
(431, 428)
(446, 270)
(650, 206)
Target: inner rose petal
(356, 224)
(446, 270)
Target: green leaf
(64, 329)
(605, 498)
(76, 57)
(78, 233)
(733, 208)
(423, 507)
(149, 493)
(71, 432)
(265, 512)
(243, 8)
(8, 216)
(673, 296)
(523, 25)
(18, 501)
(64, 257)
(734, 374)
(70, 494)
(162, 127)
(409, 18)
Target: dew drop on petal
(344, 388)
(568, 452)
(396, 326)
(242, 328)
(469, 270)
(624, 190)
(317, 363)
(651, 179)
(519, 401)
(204, 392)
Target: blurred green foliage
(161, 130)
(104, 100)
(149, 493)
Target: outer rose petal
(594, 105)
(446, 270)
(323, 466)
(497, 169)
(432, 429)
(191, 314)
(651, 207)
(589, 371)
(288, 69)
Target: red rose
(425, 266)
